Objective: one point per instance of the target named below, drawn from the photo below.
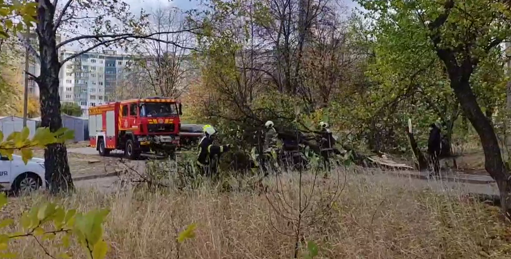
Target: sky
(136, 5)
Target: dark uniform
(434, 141)
(207, 158)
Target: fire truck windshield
(158, 109)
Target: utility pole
(27, 66)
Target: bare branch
(123, 36)
(26, 43)
(58, 22)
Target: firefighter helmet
(323, 124)
(209, 130)
(269, 124)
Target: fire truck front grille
(160, 128)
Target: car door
(5, 169)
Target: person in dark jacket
(434, 141)
(207, 159)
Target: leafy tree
(461, 34)
(71, 108)
(111, 25)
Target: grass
(369, 219)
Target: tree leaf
(6, 222)
(8, 255)
(188, 233)
(3, 199)
(312, 248)
(26, 155)
(100, 250)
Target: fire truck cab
(136, 126)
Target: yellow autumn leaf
(188, 233)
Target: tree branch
(442, 18)
(58, 22)
(26, 43)
(35, 78)
(494, 43)
(122, 36)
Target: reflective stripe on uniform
(209, 149)
(221, 149)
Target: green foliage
(42, 137)
(10, 11)
(312, 250)
(411, 80)
(47, 221)
(71, 108)
(188, 233)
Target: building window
(100, 83)
(119, 63)
(83, 103)
(100, 97)
(69, 81)
(93, 97)
(93, 75)
(68, 96)
(81, 81)
(93, 83)
(93, 68)
(69, 89)
(69, 74)
(92, 61)
(93, 90)
(92, 104)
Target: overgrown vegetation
(372, 217)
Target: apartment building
(91, 79)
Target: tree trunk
(57, 173)
(493, 163)
(422, 163)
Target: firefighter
(434, 144)
(208, 156)
(270, 136)
(327, 143)
(270, 143)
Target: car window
(125, 110)
(133, 109)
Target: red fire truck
(136, 126)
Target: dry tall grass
(369, 219)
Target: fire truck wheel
(130, 152)
(101, 148)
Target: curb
(448, 179)
(95, 176)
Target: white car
(18, 177)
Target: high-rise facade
(91, 79)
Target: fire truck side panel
(98, 124)
(92, 130)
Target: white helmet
(323, 124)
(209, 130)
(269, 124)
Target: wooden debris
(93, 161)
